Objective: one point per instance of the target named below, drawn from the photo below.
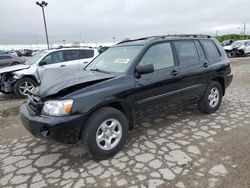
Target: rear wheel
(105, 132)
(24, 86)
(211, 100)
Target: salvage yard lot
(183, 149)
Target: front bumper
(228, 80)
(65, 129)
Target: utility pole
(42, 5)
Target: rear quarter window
(210, 48)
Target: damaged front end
(7, 83)
(235, 52)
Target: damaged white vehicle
(238, 48)
(21, 79)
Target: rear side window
(186, 52)
(160, 55)
(84, 54)
(210, 49)
(5, 57)
(70, 55)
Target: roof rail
(190, 35)
(165, 36)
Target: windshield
(35, 58)
(115, 59)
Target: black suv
(100, 104)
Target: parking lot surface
(182, 149)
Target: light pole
(42, 5)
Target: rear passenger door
(71, 59)
(193, 65)
(157, 91)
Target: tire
(18, 86)
(95, 125)
(229, 55)
(209, 103)
(6, 93)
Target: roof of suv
(60, 49)
(146, 40)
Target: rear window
(210, 49)
(86, 54)
(186, 52)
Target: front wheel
(24, 86)
(211, 100)
(229, 54)
(105, 132)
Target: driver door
(54, 61)
(157, 91)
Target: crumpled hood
(229, 47)
(54, 81)
(14, 68)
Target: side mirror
(41, 63)
(145, 69)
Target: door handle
(62, 65)
(205, 65)
(174, 73)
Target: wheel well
(124, 108)
(31, 77)
(15, 62)
(222, 83)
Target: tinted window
(54, 57)
(200, 50)
(86, 54)
(70, 55)
(210, 49)
(248, 43)
(5, 57)
(159, 55)
(186, 52)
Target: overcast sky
(101, 20)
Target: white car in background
(238, 48)
(21, 79)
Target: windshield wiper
(99, 70)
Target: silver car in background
(21, 79)
(9, 59)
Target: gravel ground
(183, 149)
